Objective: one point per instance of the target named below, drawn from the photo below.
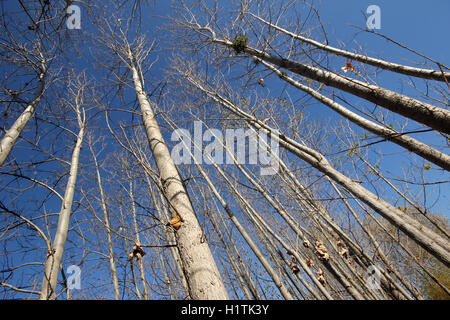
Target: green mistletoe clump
(239, 43)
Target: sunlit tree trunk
(237, 270)
(198, 262)
(54, 257)
(10, 138)
(273, 274)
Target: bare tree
(54, 256)
(201, 271)
(106, 215)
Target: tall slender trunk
(54, 258)
(217, 222)
(138, 240)
(237, 270)
(276, 279)
(112, 263)
(201, 271)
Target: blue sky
(421, 25)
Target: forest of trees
(119, 179)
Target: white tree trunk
(54, 258)
(276, 279)
(10, 138)
(112, 263)
(200, 268)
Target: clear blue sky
(421, 25)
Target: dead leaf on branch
(348, 67)
(261, 82)
(293, 259)
(320, 272)
(175, 222)
(292, 263)
(136, 252)
(322, 280)
(321, 277)
(309, 262)
(322, 251)
(344, 253)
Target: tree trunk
(54, 258)
(10, 138)
(200, 268)
(112, 263)
(138, 240)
